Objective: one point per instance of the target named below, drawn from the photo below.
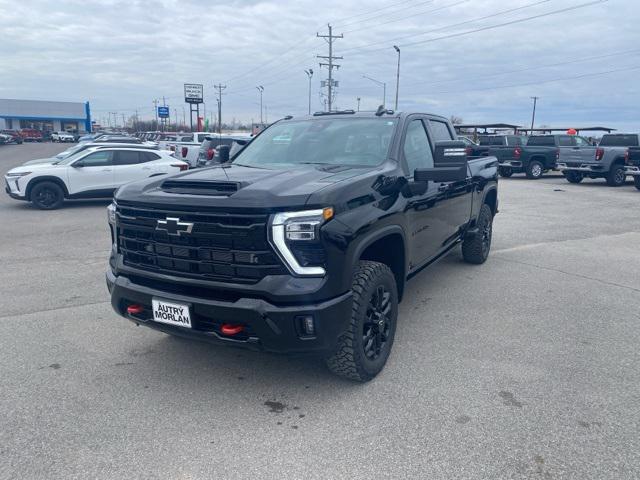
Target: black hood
(236, 186)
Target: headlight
(111, 213)
(298, 232)
(17, 174)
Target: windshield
(490, 140)
(74, 156)
(70, 151)
(330, 141)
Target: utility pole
(155, 111)
(124, 123)
(260, 88)
(358, 99)
(220, 88)
(184, 118)
(329, 64)
(309, 74)
(397, 49)
(533, 117)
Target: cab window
(416, 148)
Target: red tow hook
(135, 309)
(231, 329)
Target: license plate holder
(171, 313)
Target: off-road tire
(636, 181)
(616, 176)
(573, 177)
(349, 359)
(535, 170)
(505, 172)
(476, 249)
(47, 196)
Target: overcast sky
(458, 57)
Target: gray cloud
(121, 55)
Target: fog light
(307, 325)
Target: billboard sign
(163, 112)
(193, 92)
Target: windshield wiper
(248, 166)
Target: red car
(31, 135)
(14, 134)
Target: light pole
(260, 88)
(358, 99)
(397, 76)
(384, 88)
(533, 117)
(309, 74)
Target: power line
(443, 7)
(535, 67)
(541, 82)
(452, 25)
(370, 12)
(383, 14)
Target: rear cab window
(541, 141)
(619, 141)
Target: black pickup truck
(303, 241)
(533, 157)
(632, 165)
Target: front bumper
(632, 170)
(268, 327)
(13, 193)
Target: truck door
(568, 149)
(454, 197)
(585, 152)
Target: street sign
(163, 112)
(193, 92)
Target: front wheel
(476, 249)
(505, 172)
(47, 196)
(616, 176)
(573, 177)
(363, 349)
(636, 181)
(535, 170)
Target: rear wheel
(47, 196)
(505, 172)
(535, 170)
(616, 176)
(362, 351)
(573, 177)
(636, 181)
(476, 249)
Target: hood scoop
(201, 187)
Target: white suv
(62, 137)
(91, 173)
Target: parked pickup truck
(304, 241)
(537, 156)
(506, 148)
(607, 160)
(188, 151)
(632, 166)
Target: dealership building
(45, 115)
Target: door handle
(106, 169)
(443, 187)
(146, 168)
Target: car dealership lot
(524, 367)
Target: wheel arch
(388, 246)
(491, 199)
(47, 178)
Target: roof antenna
(381, 111)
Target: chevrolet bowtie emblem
(173, 226)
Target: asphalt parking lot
(525, 367)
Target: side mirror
(223, 153)
(78, 164)
(449, 164)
